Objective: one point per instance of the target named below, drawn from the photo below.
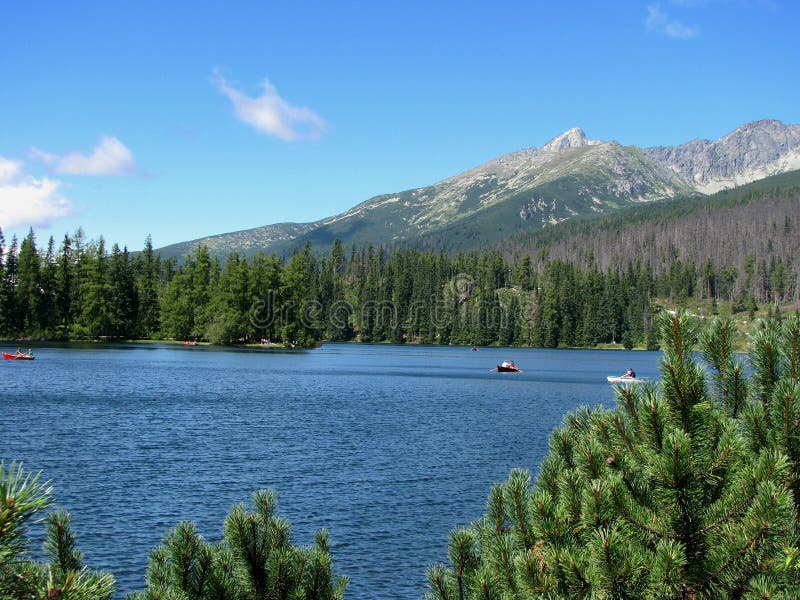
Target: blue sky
(186, 119)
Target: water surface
(388, 447)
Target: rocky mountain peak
(572, 138)
(753, 151)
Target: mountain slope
(569, 177)
(752, 229)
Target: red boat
(7, 356)
(187, 343)
(508, 368)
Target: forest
(578, 285)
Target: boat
(7, 356)
(508, 367)
(623, 380)
(187, 343)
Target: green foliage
(255, 559)
(22, 497)
(398, 296)
(687, 490)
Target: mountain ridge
(571, 175)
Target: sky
(182, 119)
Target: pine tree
(265, 276)
(255, 559)
(147, 285)
(667, 496)
(23, 496)
(64, 284)
(11, 323)
(48, 315)
(29, 285)
(95, 292)
(299, 320)
(4, 295)
(124, 304)
(178, 307)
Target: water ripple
(388, 447)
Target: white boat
(622, 379)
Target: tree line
(81, 290)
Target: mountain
(569, 177)
(754, 151)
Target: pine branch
(726, 517)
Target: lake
(388, 447)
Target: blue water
(388, 447)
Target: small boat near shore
(7, 356)
(623, 380)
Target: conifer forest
(579, 288)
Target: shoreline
(275, 346)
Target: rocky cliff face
(751, 152)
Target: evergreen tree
(255, 559)
(48, 314)
(338, 311)
(11, 324)
(29, 285)
(178, 307)
(203, 273)
(22, 497)
(667, 496)
(300, 322)
(265, 275)
(5, 298)
(95, 292)
(230, 304)
(64, 285)
(124, 304)
(147, 285)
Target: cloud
(110, 157)
(271, 114)
(658, 20)
(26, 201)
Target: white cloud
(26, 201)
(110, 157)
(658, 20)
(271, 114)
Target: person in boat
(630, 374)
(505, 364)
